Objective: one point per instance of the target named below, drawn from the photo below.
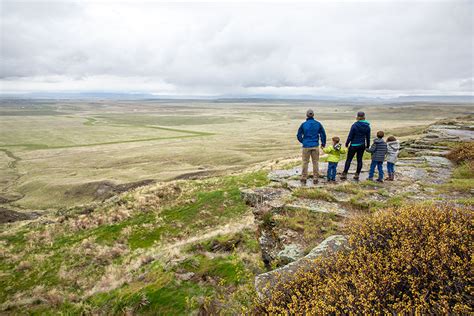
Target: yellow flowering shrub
(416, 259)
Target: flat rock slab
(317, 206)
(255, 197)
(295, 173)
(265, 282)
(279, 175)
(438, 162)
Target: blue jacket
(310, 132)
(359, 134)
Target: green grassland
(50, 148)
(127, 255)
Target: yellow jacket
(333, 154)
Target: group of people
(311, 134)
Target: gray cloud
(386, 47)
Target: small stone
(185, 276)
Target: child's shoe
(379, 180)
(315, 181)
(392, 177)
(370, 179)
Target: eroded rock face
(433, 142)
(10, 216)
(266, 281)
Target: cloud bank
(322, 48)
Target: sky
(281, 48)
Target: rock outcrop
(437, 136)
(266, 281)
(281, 207)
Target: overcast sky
(381, 48)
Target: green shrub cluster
(416, 259)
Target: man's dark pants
(354, 150)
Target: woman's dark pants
(354, 150)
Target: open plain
(63, 153)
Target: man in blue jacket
(359, 140)
(308, 135)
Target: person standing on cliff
(309, 134)
(357, 141)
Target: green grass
(350, 188)
(227, 269)
(314, 194)
(463, 171)
(159, 293)
(241, 241)
(167, 120)
(466, 201)
(312, 226)
(462, 180)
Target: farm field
(56, 154)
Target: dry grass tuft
(463, 152)
(411, 260)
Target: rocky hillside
(208, 246)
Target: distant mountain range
(237, 98)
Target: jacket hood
(394, 144)
(378, 140)
(362, 125)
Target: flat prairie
(58, 153)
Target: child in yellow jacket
(334, 156)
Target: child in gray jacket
(393, 147)
(378, 151)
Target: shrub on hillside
(463, 152)
(410, 260)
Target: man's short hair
(380, 134)
(336, 139)
(310, 113)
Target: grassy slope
(128, 255)
(111, 260)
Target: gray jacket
(393, 149)
(378, 150)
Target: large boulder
(266, 281)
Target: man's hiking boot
(379, 180)
(343, 176)
(315, 181)
(356, 177)
(303, 181)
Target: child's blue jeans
(332, 169)
(379, 165)
(390, 167)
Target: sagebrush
(416, 259)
